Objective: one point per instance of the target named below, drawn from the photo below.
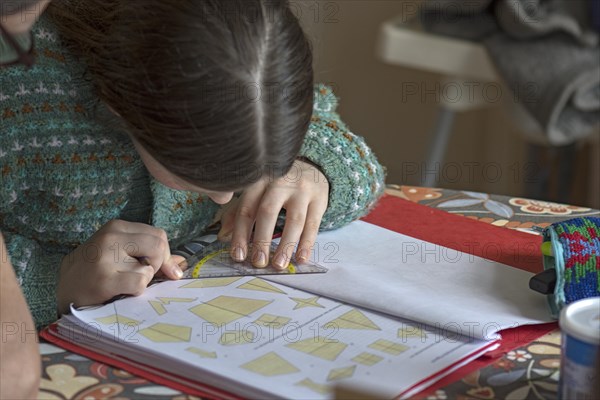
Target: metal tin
(580, 359)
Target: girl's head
(218, 92)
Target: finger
(179, 265)
(266, 218)
(133, 227)
(227, 224)
(310, 232)
(136, 264)
(244, 221)
(172, 270)
(179, 260)
(147, 249)
(295, 218)
(170, 267)
(133, 282)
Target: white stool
(465, 67)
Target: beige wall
(484, 143)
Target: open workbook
(392, 315)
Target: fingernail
(259, 259)
(178, 273)
(238, 254)
(302, 255)
(280, 261)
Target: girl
(139, 118)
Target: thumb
(179, 260)
(171, 268)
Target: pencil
(144, 260)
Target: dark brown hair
(217, 91)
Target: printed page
(399, 275)
(258, 338)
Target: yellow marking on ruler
(196, 271)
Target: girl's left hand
(303, 192)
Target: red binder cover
(517, 249)
(514, 248)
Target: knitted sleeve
(355, 176)
(36, 268)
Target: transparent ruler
(211, 259)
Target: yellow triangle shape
(169, 300)
(270, 365)
(354, 319)
(233, 338)
(202, 353)
(314, 386)
(309, 302)
(411, 331)
(210, 282)
(158, 307)
(260, 285)
(162, 332)
(225, 309)
(113, 319)
(341, 373)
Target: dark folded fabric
(545, 50)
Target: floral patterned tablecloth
(529, 372)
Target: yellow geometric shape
(354, 319)
(210, 282)
(412, 331)
(319, 346)
(388, 347)
(162, 332)
(233, 338)
(270, 365)
(202, 353)
(225, 309)
(272, 321)
(367, 359)
(315, 387)
(260, 285)
(169, 300)
(341, 373)
(158, 307)
(310, 302)
(117, 319)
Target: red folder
(510, 247)
(517, 249)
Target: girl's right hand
(114, 262)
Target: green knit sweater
(65, 170)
